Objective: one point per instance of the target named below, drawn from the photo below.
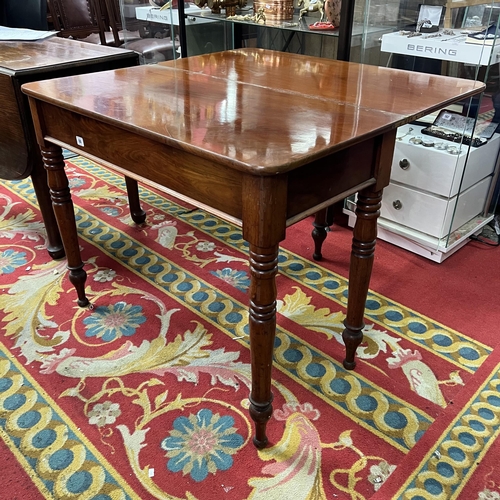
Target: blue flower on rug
(238, 279)
(10, 260)
(202, 443)
(114, 321)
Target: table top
(255, 110)
(16, 57)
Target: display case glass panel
(444, 182)
(158, 23)
(445, 166)
(304, 30)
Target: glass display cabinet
(210, 29)
(145, 25)
(445, 166)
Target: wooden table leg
(362, 255)
(39, 179)
(65, 215)
(262, 322)
(264, 227)
(319, 232)
(136, 212)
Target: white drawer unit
(438, 171)
(437, 195)
(433, 215)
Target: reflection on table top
(253, 109)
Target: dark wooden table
(22, 62)
(258, 137)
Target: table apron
(333, 177)
(203, 180)
(144, 158)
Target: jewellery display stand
(445, 166)
(451, 47)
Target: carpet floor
(145, 395)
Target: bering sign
(427, 49)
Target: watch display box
(454, 127)
(430, 18)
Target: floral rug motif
(145, 394)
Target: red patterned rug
(145, 395)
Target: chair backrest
(112, 17)
(31, 14)
(146, 47)
(77, 18)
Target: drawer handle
(397, 205)
(404, 164)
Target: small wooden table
(261, 138)
(22, 62)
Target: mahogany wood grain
(22, 62)
(14, 162)
(260, 137)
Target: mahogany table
(22, 62)
(261, 138)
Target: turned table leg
(362, 255)
(64, 212)
(262, 322)
(322, 222)
(39, 179)
(264, 226)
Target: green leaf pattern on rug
(298, 308)
(19, 224)
(39, 288)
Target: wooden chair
(150, 49)
(80, 19)
(99, 21)
(87, 20)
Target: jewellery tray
(455, 127)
